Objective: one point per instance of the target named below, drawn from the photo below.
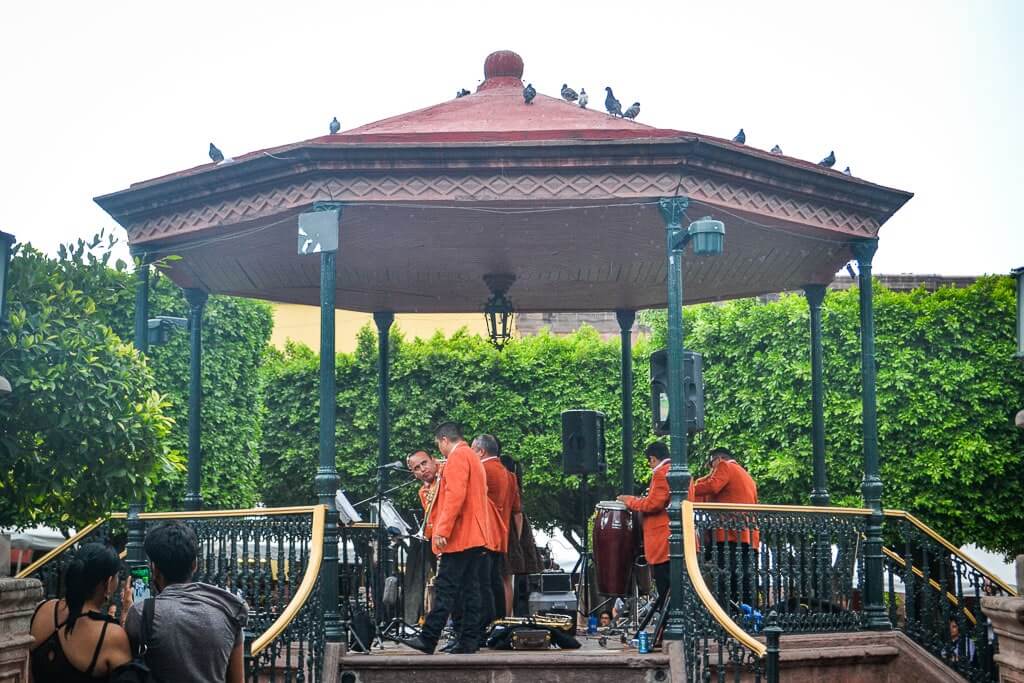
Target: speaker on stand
(583, 453)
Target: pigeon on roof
(613, 106)
(740, 138)
(632, 112)
(847, 171)
(568, 94)
(829, 161)
(529, 92)
(461, 93)
(335, 126)
(584, 98)
(215, 154)
(776, 150)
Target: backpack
(136, 670)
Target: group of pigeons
(828, 162)
(612, 105)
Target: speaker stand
(584, 563)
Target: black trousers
(487, 569)
(662, 581)
(458, 575)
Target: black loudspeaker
(583, 442)
(693, 392)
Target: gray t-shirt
(195, 627)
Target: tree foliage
(948, 388)
(83, 428)
(235, 336)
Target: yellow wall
(302, 324)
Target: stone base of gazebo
(836, 657)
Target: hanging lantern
(498, 311)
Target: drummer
(654, 506)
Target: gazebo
(560, 207)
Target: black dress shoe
(417, 643)
(450, 645)
(461, 649)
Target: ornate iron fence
(270, 557)
(803, 563)
(714, 644)
(933, 594)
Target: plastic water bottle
(643, 643)
(591, 625)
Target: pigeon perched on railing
(461, 93)
(829, 161)
(584, 98)
(740, 138)
(568, 94)
(529, 93)
(335, 126)
(776, 150)
(215, 154)
(632, 112)
(613, 106)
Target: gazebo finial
(502, 68)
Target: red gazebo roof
(565, 198)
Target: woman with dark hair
(75, 640)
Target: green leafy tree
(948, 388)
(83, 430)
(235, 336)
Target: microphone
(396, 465)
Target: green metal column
(819, 495)
(196, 303)
(327, 471)
(135, 553)
(383, 319)
(626, 319)
(875, 615)
(672, 210)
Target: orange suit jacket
(463, 514)
(654, 507)
(499, 491)
(729, 483)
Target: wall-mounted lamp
(160, 328)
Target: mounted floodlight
(6, 247)
(498, 310)
(160, 328)
(1019, 274)
(707, 235)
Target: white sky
(915, 95)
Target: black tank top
(49, 663)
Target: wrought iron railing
(803, 563)
(933, 593)
(714, 644)
(270, 557)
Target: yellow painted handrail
(302, 593)
(35, 566)
(247, 512)
(951, 548)
(704, 593)
(932, 582)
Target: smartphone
(140, 583)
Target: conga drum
(614, 547)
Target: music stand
(346, 512)
(347, 516)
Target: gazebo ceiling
(563, 198)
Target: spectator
(197, 628)
(74, 639)
(604, 619)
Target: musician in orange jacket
(461, 533)
(654, 506)
(728, 482)
(499, 491)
